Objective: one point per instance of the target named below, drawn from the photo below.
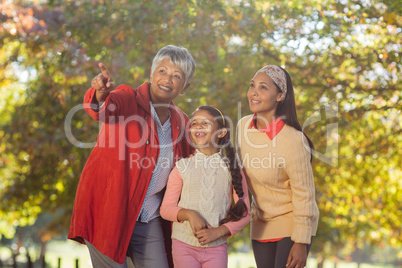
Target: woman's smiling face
(167, 81)
(263, 95)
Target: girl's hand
(209, 235)
(196, 221)
(297, 256)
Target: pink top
(169, 208)
(272, 129)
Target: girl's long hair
(239, 210)
(286, 110)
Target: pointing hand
(103, 83)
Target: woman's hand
(103, 83)
(297, 256)
(209, 235)
(196, 221)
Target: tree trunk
(14, 260)
(336, 261)
(320, 263)
(29, 261)
(42, 255)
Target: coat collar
(143, 96)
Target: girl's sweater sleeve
(235, 226)
(169, 208)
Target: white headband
(277, 75)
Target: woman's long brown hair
(286, 110)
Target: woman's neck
(263, 119)
(163, 113)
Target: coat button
(147, 142)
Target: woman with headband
(206, 184)
(276, 156)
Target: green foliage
(343, 57)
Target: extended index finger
(104, 70)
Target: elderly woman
(116, 209)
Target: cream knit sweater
(207, 190)
(280, 178)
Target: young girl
(202, 219)
(284, 211)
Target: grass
(69, 251)
(246, 260)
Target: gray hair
(178, 56)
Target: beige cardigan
(280, 178)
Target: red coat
(116, 176)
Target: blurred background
(345, 61)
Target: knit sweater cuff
(302, 234)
